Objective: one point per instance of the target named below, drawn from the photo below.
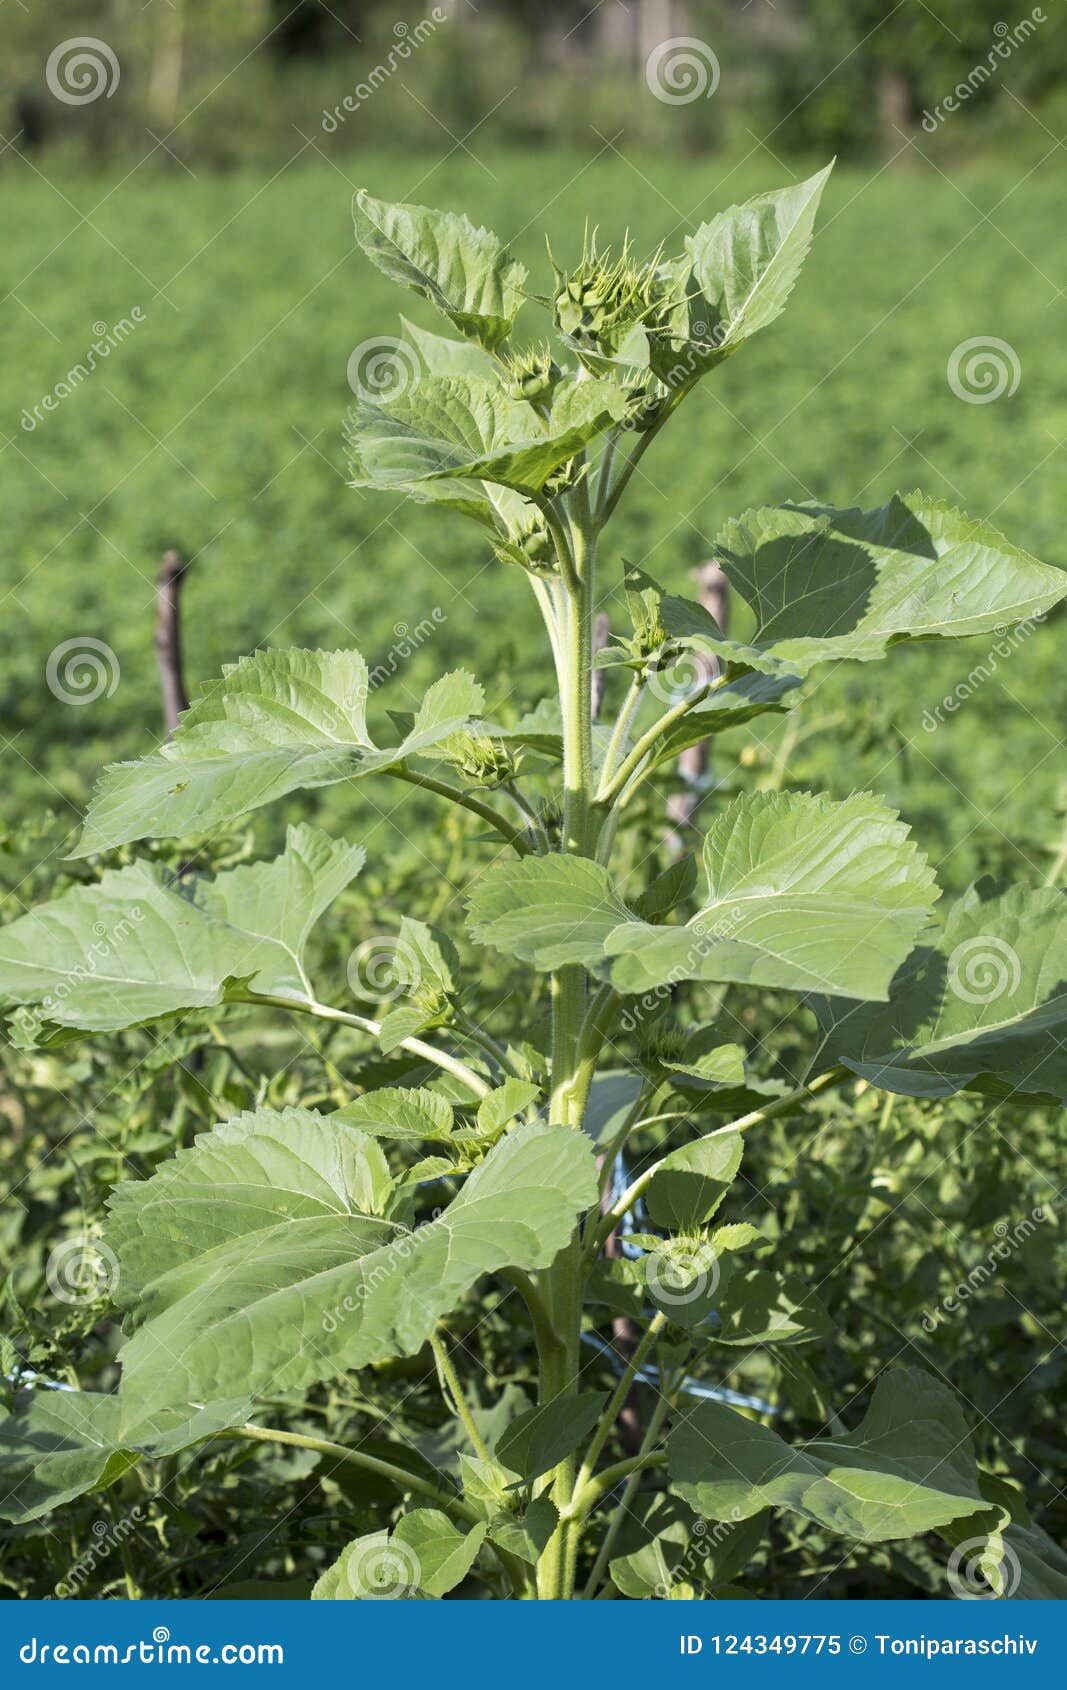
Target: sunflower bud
(487, 761)
(533, 374)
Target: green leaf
(827, 584)
(679, 1550)
(444, 1553)
(273, 723)
(526, 1535)
(502, 1105)
(740, 700)
(543, 1437)
(462, 270)
(758, 1306)
(401, 1113)
(60, 1444)
(982, 1007)
(908, 1468)
(138, 945)
(262, 1169)
(460, 428)
(270, 1303)
(800, 888)
(722, 1065)
(746, 261)
(441, 356)
(547, 911)
(612, 1095)
(690, 1183)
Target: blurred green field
(216, 427)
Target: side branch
(364, 1024)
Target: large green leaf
(60, 1444)
(460, 429)
(691, 1182)
(676, 1554)
(800, 889)
(139, 945)
(260, 1169)
(462, 270)
(542, 1437)
(908, 1468)
(982, 1007)
(267, 1301)
(272, 723)
(559, 910)
(848, 584)
(745, 262)
(735, 279)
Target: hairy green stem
(399, 1476)
(618, 1397)
(416, 1047)
(452, 1389)
(467, 801)
(615, 1524)
(832, 1077)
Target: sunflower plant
(292, 1246)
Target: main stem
(571, 1078)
